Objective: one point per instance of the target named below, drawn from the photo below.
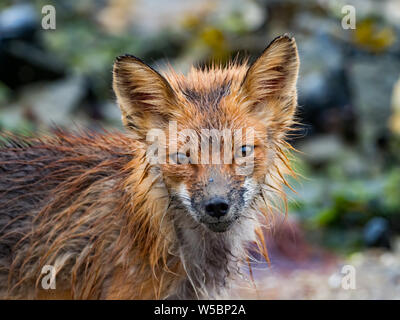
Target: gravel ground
(377, 276)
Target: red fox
(108, 223)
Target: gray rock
(372, 81)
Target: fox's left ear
(270, 82)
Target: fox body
(112, 224)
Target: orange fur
(101, 213)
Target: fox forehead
(211, 82)
(207, 95)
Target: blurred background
(347, 207)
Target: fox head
(218, 133)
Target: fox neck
(209, 259)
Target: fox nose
(217, 207)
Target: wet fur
(117, 227)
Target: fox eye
(245, 151)
(180, 158)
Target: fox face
(216, 136)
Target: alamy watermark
(345, 279)
(49, 18)
(349, 277)
(49, 278)
(349, 18)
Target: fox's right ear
(143, 95)
(270, 82)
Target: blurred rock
(377, 233)
(112, 113)
(46, 104)
(372, 82)
(322, 148)
(324, 93)
(331, 153)
(12, 118)
(18, 22)
(22, 63)
(22, 58)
